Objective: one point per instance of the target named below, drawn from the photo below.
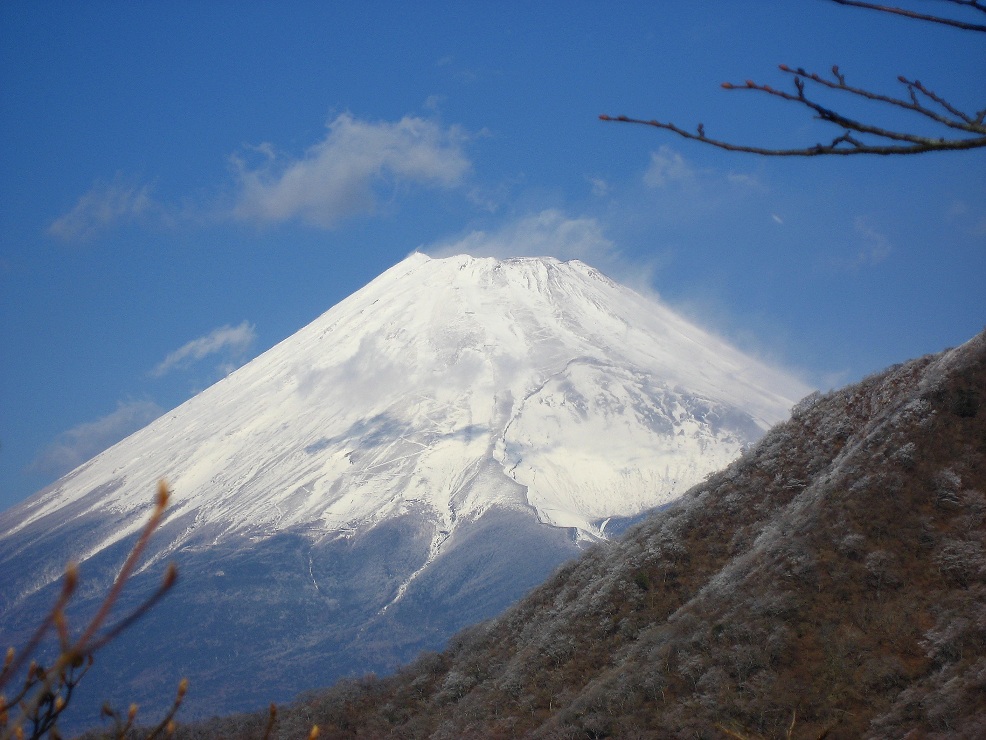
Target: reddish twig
(51, 689)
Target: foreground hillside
(831, 582)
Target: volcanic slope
(830, 583)
(410, 462)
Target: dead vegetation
(831, 583)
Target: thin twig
(47, 685)
(271, 720)
(922, 16)
(168, 723)
(966, 122)
(163, 494)
(887, 141)
(817, 149)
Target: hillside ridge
(830, 582)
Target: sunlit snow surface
(597, 401)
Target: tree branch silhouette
(965, 130)
(45, 692)
(953, 22)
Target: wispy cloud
(103, 207)
(232, 341)
(341, 175)
(668, 170)
(971, 221)
(600, 187)
(78, 444)
(548, 233)
(744, 180)
(870, 247)
(667, 167)
(551, 233)
(875, 246)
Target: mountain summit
(409, 462)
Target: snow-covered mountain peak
(410, 462)
(451, 385)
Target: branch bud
(182, 688)
(783, 68)
(604, 117)
(163, 494)
(71, 578)
(728, 85)
(59, 619)
(75, 659)
(170, 575)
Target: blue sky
(185, 184)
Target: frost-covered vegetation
(833, 580)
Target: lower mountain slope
(412, 461)
(831, 582)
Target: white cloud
(340, 176)
(104, 206)
(958, 208)
(231, 340)
(548, 233)
(80, 443)
(600, 187)
(434, 102)
(871, 247)
(667, 167)
(743, 180)
(876, 246)
(553, 234)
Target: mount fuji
(412, 461)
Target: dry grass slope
(831, 583)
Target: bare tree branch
(45, 692)
(955, 23)
(961, 121)
(858, 136)
(836, 146)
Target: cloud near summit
(76, 445)
(341, 175)
(105, 205)
(552, 233)
(230, 339)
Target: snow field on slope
(398, 394)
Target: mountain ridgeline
(411, 462)
(831, 582)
